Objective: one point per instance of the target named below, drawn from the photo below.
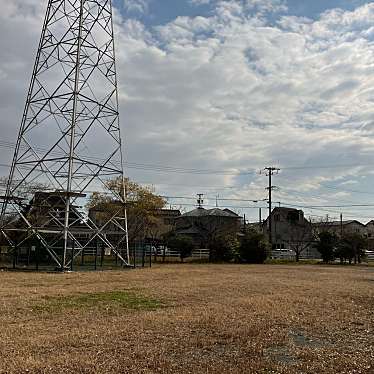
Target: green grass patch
(112, 300)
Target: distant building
(291, 231)
(343, 227)
(168, 216)
(162, 223)
(203, 225)
(370, 236)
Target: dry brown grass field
(189, 319)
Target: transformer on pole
(69, 139)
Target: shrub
(351, 247)
(183, 244)
(223, 248)
(326, 245)
(253, 248)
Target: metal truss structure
(69, 139)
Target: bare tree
(301, 237)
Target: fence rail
(164, 254)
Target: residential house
(370, 237)
(204, 225)
(291, 230)
(342, 227)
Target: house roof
(284, 211)
(189, 231)
(216, 212)
(168, 212)
(338, 223)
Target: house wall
(289, 226)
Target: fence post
(102, 256)
(143, 255)
(96, 248)
(37, 256)
(28, 255)
(82, 259)
(155, 254)
(15, 253)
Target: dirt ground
(189, 319)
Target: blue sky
(160, 12)
(218, 91)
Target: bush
(223, 248)
(253, 248)
(326, 246)
(351, 247)
(183, 244)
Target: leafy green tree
(183, 244)
(254, 248)
(326, 245)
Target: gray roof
(216, 212)
(337, 223)
(189, 231)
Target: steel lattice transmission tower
(69, 139)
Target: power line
(178, 169)
(345, 190)
(332, 166)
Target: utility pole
(341, 225)
(260, 218)
(270, 171)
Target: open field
(189, 319)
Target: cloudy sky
(213, 91)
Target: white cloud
(136, 6)
(230, 91)
(267, 5)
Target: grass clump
(103, 300)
